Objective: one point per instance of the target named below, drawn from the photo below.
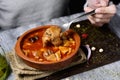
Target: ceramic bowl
(65, 62)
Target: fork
(67, 25)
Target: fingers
(110, 9)
(102, 16)
(104, 3)
(87, 9)
(98, 21)
(97, 3)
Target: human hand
(97, 3)
(104, 13)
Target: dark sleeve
(76, 6)
(115, 1)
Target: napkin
(25, 72)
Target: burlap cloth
(25, 72)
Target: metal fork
(67, 25)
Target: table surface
(101, 66)
(100, 38)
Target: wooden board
(99, 38)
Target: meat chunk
(52, 35)
(66, 34)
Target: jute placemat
(25, 72)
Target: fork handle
(86, 14)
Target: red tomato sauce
(32, 47)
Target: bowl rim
(19, 52)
